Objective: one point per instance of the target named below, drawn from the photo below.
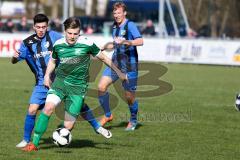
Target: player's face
(40, 29)
(72, 35)
(119, 15)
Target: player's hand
(16, 54)
(47, 81)
(108, 47)
(123, 77)
(119, 40)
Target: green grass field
(195, 121)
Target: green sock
(40, 128)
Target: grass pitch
(194, 121)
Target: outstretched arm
(109, 63)
(50, 68)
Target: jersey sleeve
(94, 49)
(23, 51)
(54, 53)
(55, 36)
(134, 30)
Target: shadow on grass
(83, 143)
(120, 125)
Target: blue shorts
(131, 85)
(39, 95)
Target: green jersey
(74, 60)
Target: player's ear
(125, 13)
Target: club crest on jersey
(123, 32)
(77, 51)
(46, 44)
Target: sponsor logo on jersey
(42, 54)
(70, 60)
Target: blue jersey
(126, 57)
(37, 52)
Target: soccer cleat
(30, 147)
(22, 144)
(131, 126)
(106, 133)
(105, 119)
(237, 102)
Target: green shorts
(72, 95)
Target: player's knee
(32, 111)
(102, 88)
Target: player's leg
(130, 90)
(87, 114)
(73, 106)
(37, 101)
(41, 125)
(106, 80)
(28, 125)
(133, 108)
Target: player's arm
(108, 46)
(135, 42)
(50, 68)
(134, 32)
(14, 58)
(20, 54)
(109, 63)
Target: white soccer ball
(62, 137)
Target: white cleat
(22, 144)
(106, 133)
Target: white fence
(197, 51)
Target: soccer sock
(86, 113)
(40, 128)
(28, 126)
(104, 101)
(133, 110)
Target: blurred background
(195, 18)
(181, 31)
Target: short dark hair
(119, 5)
(39, 18)
(72, 22)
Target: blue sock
(104, 101)
(133, 110)
(28, 126)
(86, 113)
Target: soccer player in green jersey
(71, 82)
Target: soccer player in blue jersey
(36, 51)
(126, 37)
